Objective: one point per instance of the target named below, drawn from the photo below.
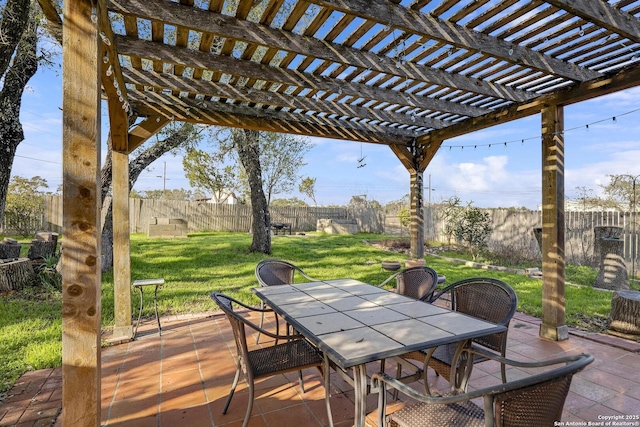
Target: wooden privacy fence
(222, 217)
(512, 228)
(203, 216)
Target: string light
(614, 119)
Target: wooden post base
(554, 333)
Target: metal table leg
(461, 367)
(360, 388)
(139, 311)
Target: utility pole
(430, 190)
(428, 219)
(164, 181)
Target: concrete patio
(183, 377)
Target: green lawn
(30, 324)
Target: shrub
(473, 228)
(49, 276)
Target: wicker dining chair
(415, 282)
(294, 354)
(535, 400)
(274, 272)
(485, 298)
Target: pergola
(409, 74)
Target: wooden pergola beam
(183, 56)
(160, 81)
(54, 22)
(580, 92)
(144, 130)
(194, 111)
(240, 29)
(604, 15)
(404, 19)
(113, 85)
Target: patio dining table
(355, 323)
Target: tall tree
(308, 188)
(269, 165)
(281, 158)
(208, 171)
(25, 203)
(18, 63)
(247, 144)
(622, 191)
(171, 138)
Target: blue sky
(496, 176)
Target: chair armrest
(437, 296)
(571, 364)
(390, 278)
(252, 325)
(306, 276)
(249, 307)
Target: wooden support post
(553, 255)
(122, 329)
(414, 161)
(81, 278)
(417, 215)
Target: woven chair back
(275, 272)
(488, 299)
(537, 405)
(417, 282)
(237, 325)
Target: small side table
(139, 285)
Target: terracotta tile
(183, 397)
(590, 390)
(176, 380)
(44, 410)
(575, 403)
(145, 387)
(237, 408)
(619, 370)
(301, 413)
(341, 409)
(594, 412)
(278, 398)
(132, 409)
(11, 417)
(634, 392)
(195, 416)
(624, 404)
(150, 421)
(606, 379)
(218, 388)
(629, 359)
(198, 367)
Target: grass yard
(30, 323)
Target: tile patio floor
(182, 379)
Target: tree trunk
(24, 66)
(184, 134)
(15, 275)
(246, 143)
(625, 312)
